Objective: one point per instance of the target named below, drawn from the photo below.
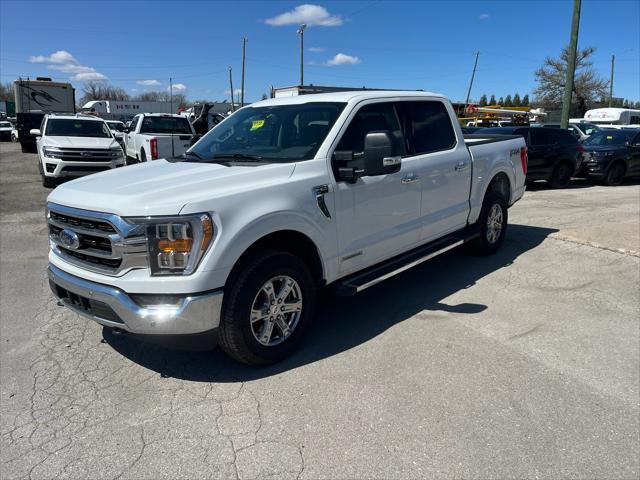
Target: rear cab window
(427, 126)
(165, 125)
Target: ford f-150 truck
(151, 136)
(282, 198)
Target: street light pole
(473, 74)
(571, 64)
(244, 46)
(300, 32)
(233, 107)
(613, 61)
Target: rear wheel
(267, 308)
(492, 225)
(561, 175)
(615, 174)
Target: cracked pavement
(524, 364)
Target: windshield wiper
(197, 155)
(240, 157)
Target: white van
(613, 116)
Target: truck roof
(70, 116)
(351, 96)
(162, 115)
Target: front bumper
(112, 307)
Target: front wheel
(267, 308)
(615, 174)
(492, 225)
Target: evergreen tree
(508, 102)
(626, 104)
(483, 101)
(501, 101)
(516, 100)
(492, 100)
(525, 100)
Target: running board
(372, 276)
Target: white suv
(75, 145)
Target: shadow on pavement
(344, 323)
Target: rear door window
(542, 136)
(427, 126)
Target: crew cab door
(131, 138)
(634, 156)
(377, 216)
(444, 164)
(543, 152)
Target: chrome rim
(276, 310)
(494, 223)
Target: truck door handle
(411, 178)
(461, 166)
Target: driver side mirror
(381, 156)
(35, 132)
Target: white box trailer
(613, 116)
(124, 110)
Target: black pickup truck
(612, 155)
(554, 155)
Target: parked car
(554, 155)
(285, 196)
(73, 146)
(581, 131)
(157, 135)
(5, 130)
(612, 155)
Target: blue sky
(426, 45)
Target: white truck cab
(74, 146)
(285, 196)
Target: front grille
(92, 307)
(84, 155)
(96, 241)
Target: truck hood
(163, 188)
(80, 142)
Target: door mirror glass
(381, 157)
(35, 132)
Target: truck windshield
(77, 128)
(175, 125)
(610, 137)
(281, 133)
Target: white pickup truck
(151, 136)
(282, 198)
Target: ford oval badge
(69, 239)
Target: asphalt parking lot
(525, 364)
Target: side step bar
(372, 276)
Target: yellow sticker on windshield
(256, 124)
(609, 137)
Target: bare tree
(94, 90)
(179, 99)
(6, 91)
(588, 87)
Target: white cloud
(148, 83)
(316, 49)
(178, 87)
(484, 16)
(343, 59)
(63, 61)
(88, 76)
(134, 89)
(61, 56)
(312, 15)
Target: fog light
(51, 167)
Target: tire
(143, 156)
(494, 209)
(250, 340)
(615, 174)
(561, 175)
(14, 139)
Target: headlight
(52, 152)
(176, 244)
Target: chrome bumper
(112, 307)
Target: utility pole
(300, 32)
(233, 107)
(244, 46)
(613, 61)
(571, 66)
(473, 74)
